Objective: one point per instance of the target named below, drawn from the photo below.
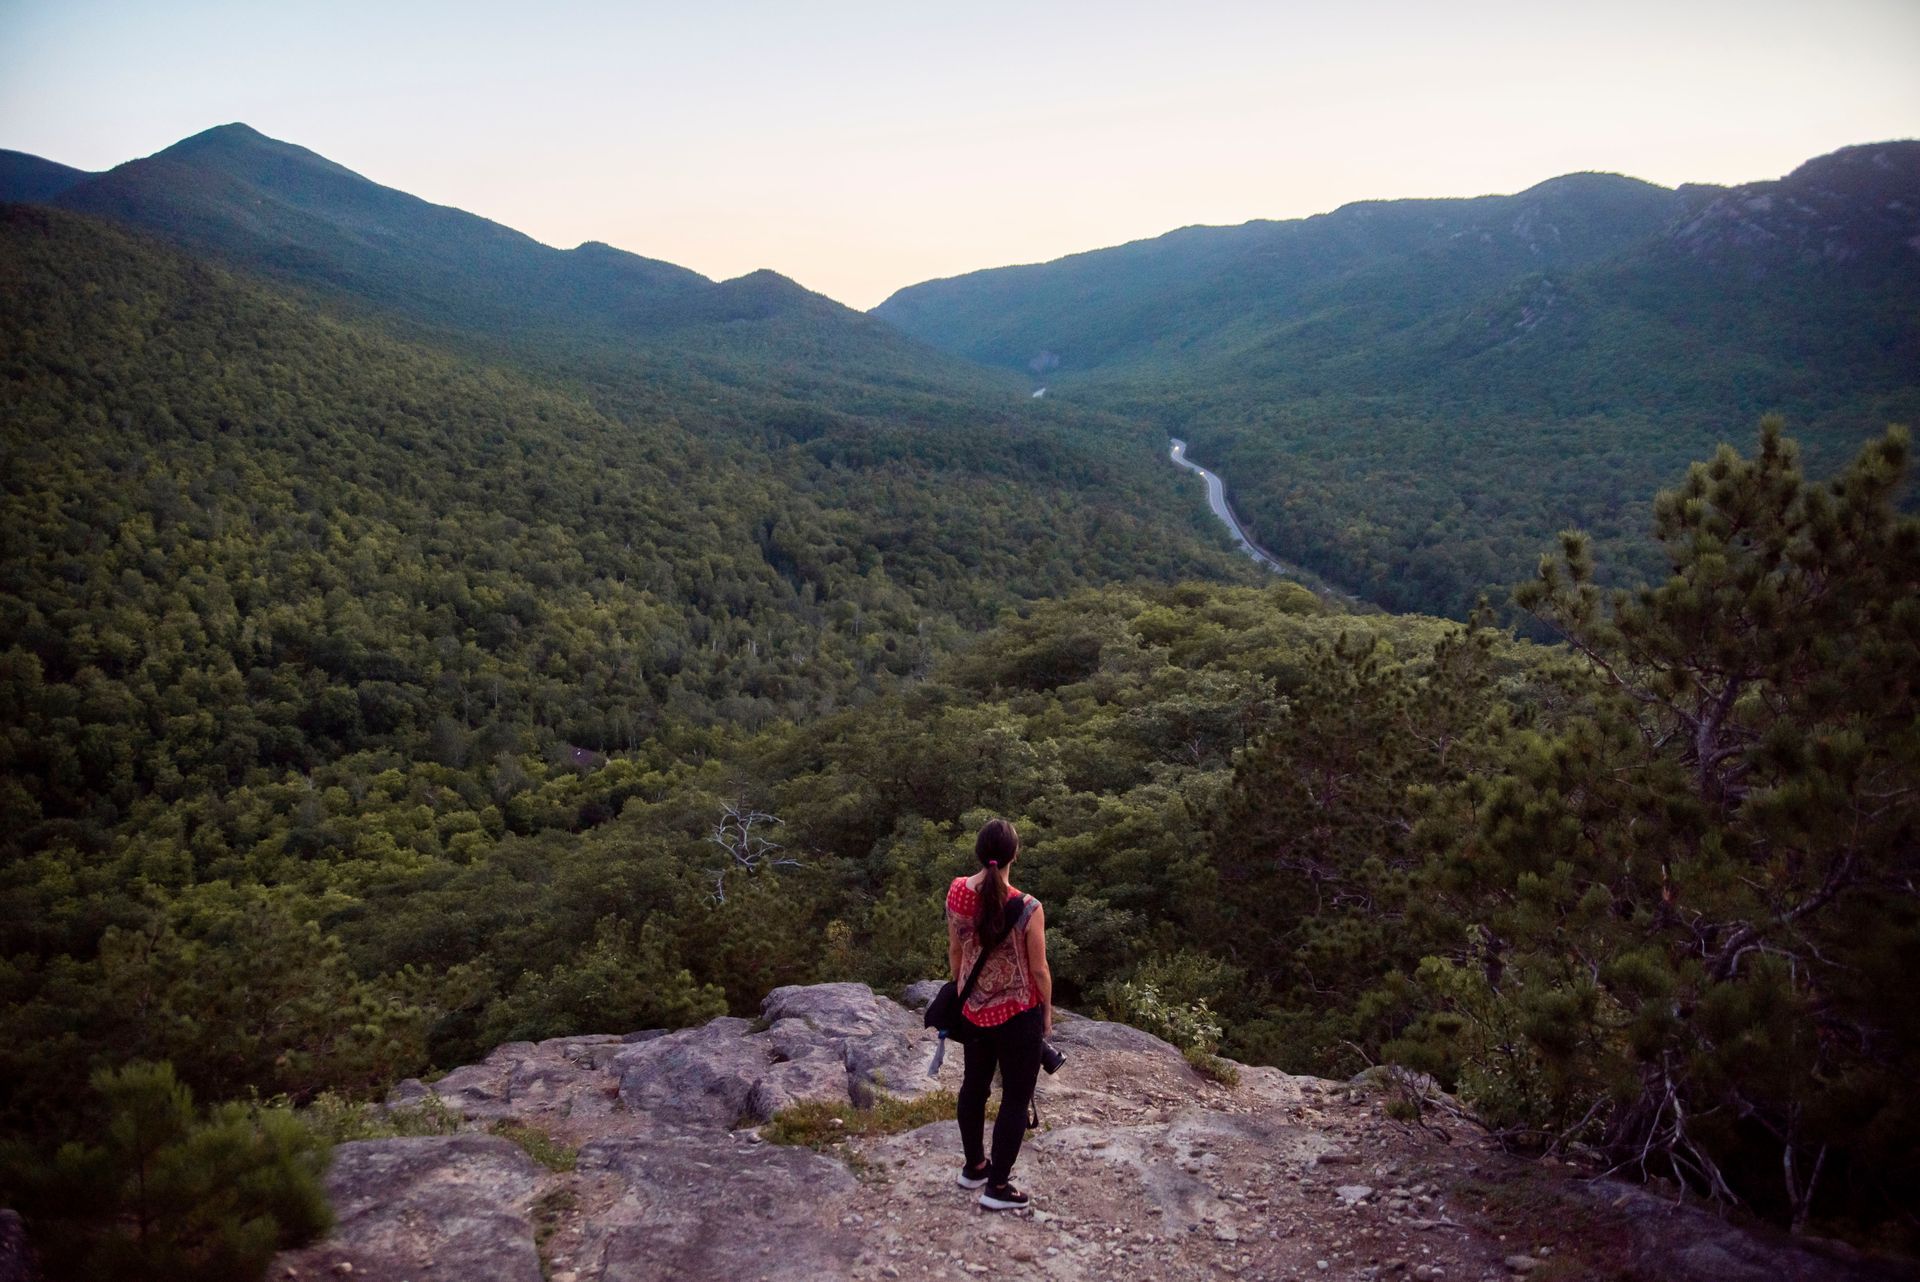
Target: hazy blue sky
(861, 147)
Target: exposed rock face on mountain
(1857, 206)
(1142, 1169)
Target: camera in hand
(1051, 1057)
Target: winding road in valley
(1217, 500)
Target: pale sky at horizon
(861, 147)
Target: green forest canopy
(367, 705)
(1410, 397)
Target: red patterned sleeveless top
(1005, 987)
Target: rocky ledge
(655, 1167)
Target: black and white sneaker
(1003, 1197)
(972, 1177)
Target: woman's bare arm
(1037, 963)
(953, 947)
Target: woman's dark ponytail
(996, 846)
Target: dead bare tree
(742, 834)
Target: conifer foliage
(1690, 907)
(169, 1193)
(362, 706)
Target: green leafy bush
(1188, 1025)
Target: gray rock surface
(919, 996)
(407, 1093)
(459, 1205)
(1142, 1169)
(880, 1046)
(695, 1075)
(660, 1219)
(16, 1259)
(822, 1041)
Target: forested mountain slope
(375, 690)
(201, 473)
(1411, 396)
(300, 623)
(25, 177)
(283, 211)
(1212, 291)
(278, 207)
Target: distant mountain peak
(231, 130)
(763, 293)
(280, 208)
(226, 137)
(238, 143)
(1587, 182)
(767, 278)
(291, 214)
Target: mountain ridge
(1411, 397)
(990, 316)
(28, 178)
(1859, 201)
(291, 212)
(1188, 288)
(281, 211)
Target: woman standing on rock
(1007, 1015)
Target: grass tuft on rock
(820, 1124)
(539, 1145)
(339, 1119)
(550, 1210)
(1209, 1065)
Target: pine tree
(1690, 904)
(167, 1194)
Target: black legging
(1013, 1048)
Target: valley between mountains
(433, 662)
(1217, 500)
